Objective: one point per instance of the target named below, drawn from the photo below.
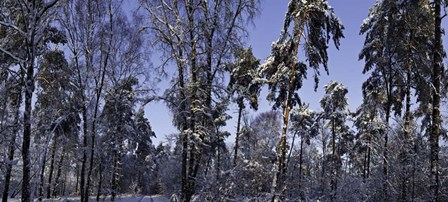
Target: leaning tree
(315, 23)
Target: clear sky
(343, 63)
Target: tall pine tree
(315, 22)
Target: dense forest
(76, 76)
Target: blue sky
(343, 63)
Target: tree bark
(237, 136)
(85, 179)
(98, 91)
(366, 169)
(115, 175)
(280, 184)
(100, 183)
(414, 168)
(8, 173)
(333, 181)
(387, 73)
(59, 173)
(388, 81)
(436, 118)
(406, 150)
(369, 151)
(29, 89)
(12, 147)
(385, 161)
(324, 165)
(77, 178)
(194, 154)
(42, 177)
(84, 157)
(50, 174)
(301, 169)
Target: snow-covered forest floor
(122, 198)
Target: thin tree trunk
(301, 169)
(386, 134)
(218, 165)
(280, 177)
(50, 174)
(195, 155)
(407, 122)
(8, 173)
(80, 174)
(403, 182)
(292, 147)
(114, 176)
(237, 136)
(89, 65)
(414, 168)
(77, 179)
(58, 174)
(98, 90)
(139, 188)
(369, 151)
(333, 181)
(369, 148)
(184, 135)
(100, 183)
(42, 176)
(11, 149)
(369, 144)
(64, 184)
(364, 169)
(324, 165)
(84, 157)
(385, 166)
(36, 12)
(436, 118)
(80, 168)
(26, 168)
(116, 170)
(388, 78)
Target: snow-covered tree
(335, 112)
(370, 127)
(105, 50)
(30, 21)
(243, 72)
(303, 120)
(88, 40)
(144, 150)
(55, 112)
(117, 119)
(11, 97)
(11, 100)
(258, 155)
(198, 37)
(397, 52)
(436, 93)
(315, 23)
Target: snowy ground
(124, 198)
